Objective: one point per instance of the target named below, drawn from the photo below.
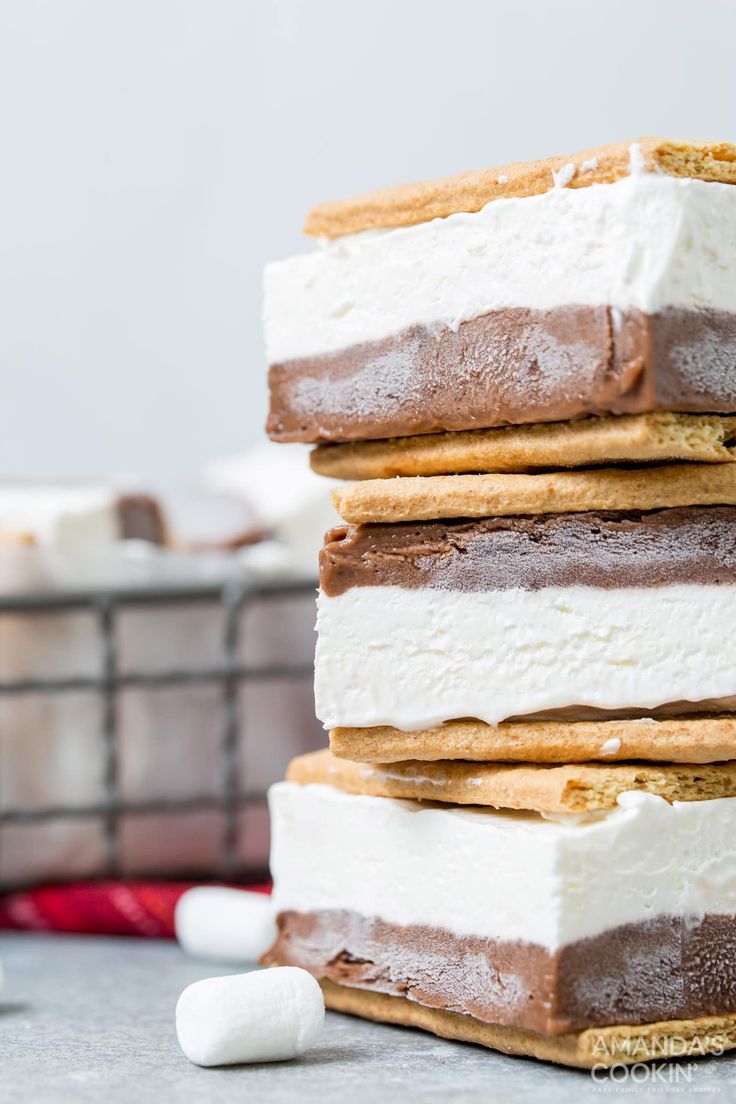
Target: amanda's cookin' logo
(645, 1048)
(639, 1059)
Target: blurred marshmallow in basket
(245, 518)
(293, 503)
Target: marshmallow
(264, 1016)
(292, 504)
(225, 924)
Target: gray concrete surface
(87, 1020)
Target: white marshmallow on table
(225, 924)
(264, 1016)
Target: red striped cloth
(99, 908)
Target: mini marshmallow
(226, 924)
(264, 1016)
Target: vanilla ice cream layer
(646, 242)
(506, 876)
(388, 655)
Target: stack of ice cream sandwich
(524, 833)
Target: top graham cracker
(409, 204)
(531, 787)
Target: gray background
(156, 152)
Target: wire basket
(231, 793)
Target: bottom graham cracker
(620, 438)
(595, 1047)
(688, 739)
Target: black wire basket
(232, 795)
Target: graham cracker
(631, 438)
(424, 498)
(674, 740)
(540, 788)
(409, 204)
(600, 1047)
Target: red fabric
(100, 908)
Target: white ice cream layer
(414, 658)
(501, 875)
(646, 242)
